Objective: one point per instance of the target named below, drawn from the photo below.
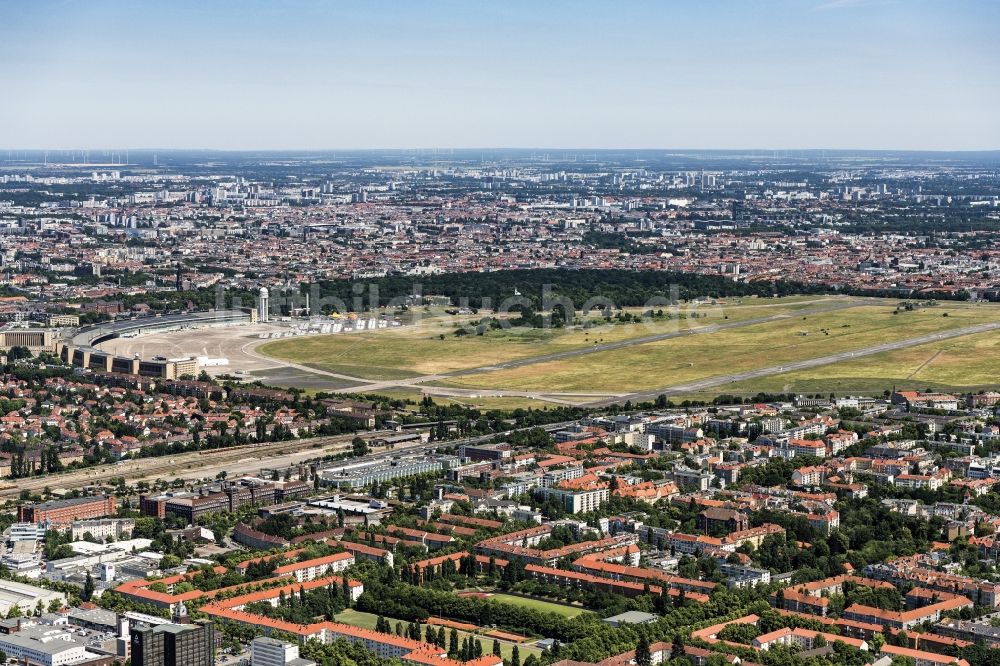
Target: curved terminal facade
(80, 348)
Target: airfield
(741, 346)
(236, 345)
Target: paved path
(712, 382)
(250, 349)
(604, 398)
(631, 342)
(369, 386)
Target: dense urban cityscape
(681, 348)
(200, 509)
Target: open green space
(357, 618)
(431, 347)
(538, 604)
(969, 363)
(668, 362)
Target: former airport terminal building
(80, 347)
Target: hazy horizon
(295, 75)
(758, 151)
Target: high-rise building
(174, 645)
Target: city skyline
(864, 75)
(510, 333)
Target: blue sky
(867, 74)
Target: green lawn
(969, 363)
(358, 619)
(538, 604)
(664, 363)
(367, 621)
(418, 350)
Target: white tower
(263, 303)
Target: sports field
(431, 346)
(357, 618)
(538, 604)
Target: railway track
(193, 466)
(183, 465)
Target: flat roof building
(266, 651)
(26, 597)
(174, 645)
(358, 475)
(36, 646)
(65, 511)
(630, 617)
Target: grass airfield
(413, 351)
(970, 363)
(431, 350)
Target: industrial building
(26, 597)
(358, 475)
(46, 646)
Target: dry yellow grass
(432, 348)
(961, 364)
(661, 364)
